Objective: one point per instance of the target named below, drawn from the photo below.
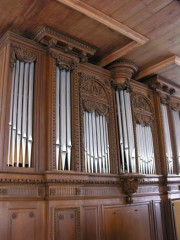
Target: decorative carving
(14, 215)
(63, 61)
(93, 95)
(142, 109)
(130, 185)
(31, 214)
(3, 191)
(21, 54)
(175, 106)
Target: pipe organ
(80, 143)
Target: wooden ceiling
(146, 32)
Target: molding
(104, 19)
(58, 40)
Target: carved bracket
(129, 184)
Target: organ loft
(89, 121)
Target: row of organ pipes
(96, 140)
(21, 115)
(145, 149)
(96, 143)
(63, 119)
(167, 138)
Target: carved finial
(122, 71)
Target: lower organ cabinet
(127, 223)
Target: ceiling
(146, 32)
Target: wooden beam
(174, 60)
(104, 19)
(118, 53)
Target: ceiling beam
(104, 19)
(118, 53)
(174, 60)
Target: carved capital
(122, 71)
(63, 61)
(23, 55)
(142, 109)
(129, 184)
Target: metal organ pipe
(167, 139)
(63, 119)
(96, 143)
(21, 116)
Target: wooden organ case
(85, 152)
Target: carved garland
(23, 55)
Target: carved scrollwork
(64, 62)
(94, 95)
(22, 55)
(142, 109)
(175, 106)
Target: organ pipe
(21, 115)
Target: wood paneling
(91, 222)
(135, 217)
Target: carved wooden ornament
(142, 109)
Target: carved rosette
(142, 109)
(63, 61)
(23, 55)
(93, 95)
(129, 184)
(122, 72)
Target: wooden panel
(176, 208)
(128, 222)
(91, 223)
(22, 220)
(159, 221)
(67, 224)
(22, 224)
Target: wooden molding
(104, 19)
(174, 60)
(118, 53)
